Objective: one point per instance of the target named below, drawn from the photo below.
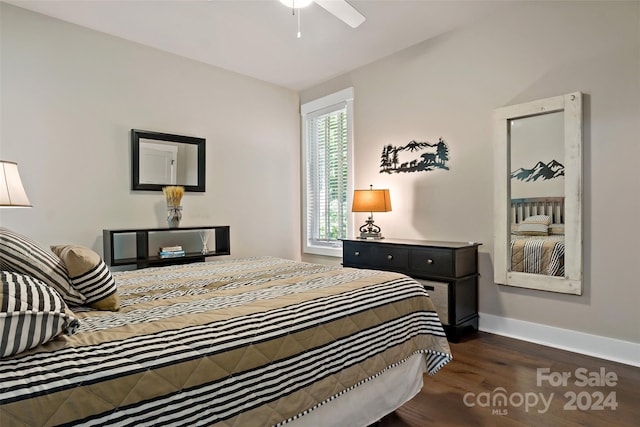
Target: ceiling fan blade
(343, 10)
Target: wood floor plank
(485, 366)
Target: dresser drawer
(439, 294)
(391, 258)
(432, 261)
(357, 254)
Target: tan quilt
(538, 255)
(247, 342)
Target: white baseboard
(578, 342)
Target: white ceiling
(258, 37)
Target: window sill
(319, 250)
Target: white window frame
(338, 100)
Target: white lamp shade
(11, 190)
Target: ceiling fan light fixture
(296, 4)
(343, 11)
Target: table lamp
(371, 201)
(12, 192)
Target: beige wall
(70, 97)
(449, 86)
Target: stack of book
(171, 252)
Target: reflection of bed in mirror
(537, 235)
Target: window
(326, 147)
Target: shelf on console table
(448, 270)
(143, 259)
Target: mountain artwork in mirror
(161, 159)
(538, 194)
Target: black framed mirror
(161, 159)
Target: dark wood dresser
(448, 270)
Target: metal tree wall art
(422, 156)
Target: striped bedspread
(246, 342)
(538, 255)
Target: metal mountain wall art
(541, 170)
(414, 157)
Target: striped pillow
(90, 276)
(538, 219)
(22, 255)
(31, 313)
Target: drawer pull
(429, 261)
(389, 257)
(357, 253)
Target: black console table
(448, 270)
(143, 258)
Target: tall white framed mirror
(538, 194)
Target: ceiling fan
(340, 8)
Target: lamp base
(370, 231)
(370, 236)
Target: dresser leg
(454, 332)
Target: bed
(235, 342)
(537, 235)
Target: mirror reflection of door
(188, 164)
(158, 163)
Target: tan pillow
(90, 276)
(536, 225)
(556, 229)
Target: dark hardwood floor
(486, 367)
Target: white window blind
(327, 169)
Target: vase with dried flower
(173, 194)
